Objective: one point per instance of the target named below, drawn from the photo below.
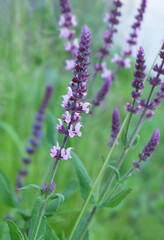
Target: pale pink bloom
(64, 33)
(134, 51)
(106, 73)
(65, 153)
(73, 21)
(61, 20)
(107, 17)
(69, 93)
(70, 64)
(124, 62)
(76, 43)
(116, 58)
(127, 51)
(60, 125)
(103, 65)
(66, 97)
(66, 117)
(71, 132)
(84, 107)
(162, 41)
(77, 129)
(127, 63)
(65, 101)
(54, 151)
(68, 46)
(76, 117)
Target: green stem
(129, 120)
(88, 221)
(38, 221)
(97, 180)
(109, 155)
(126, 175)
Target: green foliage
(31, 186)
(55, 204)
(114, 201)
(84, 179)
(80, 227)
(150, 228)
(50, 234)
(116, 171)
(37, 211)
(57, 196)
(136, 141)
(42, 229)
(14, 136)
(70, 188)
(15, 233)
(8, 195)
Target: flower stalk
(119, 163)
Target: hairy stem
(38, 221)
(129, 120)
(88, 221)
(97, 180)
(120, 161)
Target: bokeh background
(31, 56)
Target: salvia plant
(110, 186)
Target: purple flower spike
(52, 187)
(115, 126)
(148, 149)
(138, 82)
(26, 161)
(34, 142)
(137, 165)
(44, 187)
(155, 81)
(73, 101)
(132, 40)
(67, 22)
(151, 146)
(113, 20)
(103, 91)
(23, 172)
(36, 130)
(30, 150)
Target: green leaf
(84, 179)
(30, 186)
(34, 216)
(55, 204)
(86, 236)
(10, 130)
(70, 188)
(50, 234)
(57, 195)
(8, 195)
(115, 200)
(52, 133)
(15, 233)
(115, 171)
(136, 141)
(25, 236)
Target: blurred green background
(31, 56)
